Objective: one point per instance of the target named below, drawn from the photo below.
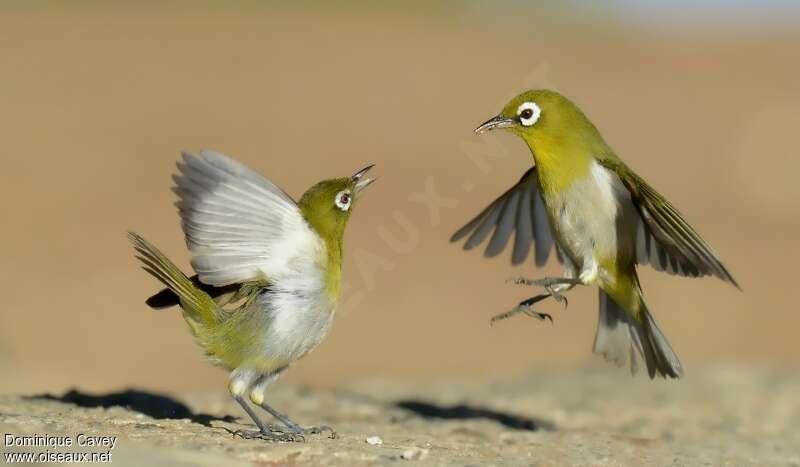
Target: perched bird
(268, 272)
(603, 220)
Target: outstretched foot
(269, 432)
(274, 436)
(293, 427)
(525, 307)
(553, 285)
(520, 309)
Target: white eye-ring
(528, 113)
(343, 200)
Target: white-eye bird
(268, 272)
(603, 220)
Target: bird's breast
(298, 318)
(593, 219)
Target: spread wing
(519, 210)
(239, 226)
(665, 240)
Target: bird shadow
(466, 412)
(158, 406)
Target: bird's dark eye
(343, 199)
(528, 113)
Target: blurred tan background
(98, 100)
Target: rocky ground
(720, 416)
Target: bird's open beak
(495, 123)
(361, 181)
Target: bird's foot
(554, 281)
(524, 307)
(557, 296)
(552, 285)
(274, 436)
(544, 282)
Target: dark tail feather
(665, 362)
(164, 299)
(167, 298)
(620, 337)
(196, 303)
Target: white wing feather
(239, 226)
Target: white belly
(298, 323)
(594, 219)
(294, 315)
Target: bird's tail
(197, 305)
(620, 336)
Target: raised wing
(239, 226)
(520, 210)
(665, 240)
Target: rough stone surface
(720, 416)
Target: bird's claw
(548, 283)
(557, 296)
(537, 315)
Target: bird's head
(544, 119)
(328, 204)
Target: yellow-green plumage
(330, 221)
(564, 146)
(564, 142)
(268, 269)
(604, 220)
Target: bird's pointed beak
(360, 180)
(494, 123)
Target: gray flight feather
(519, 210)
(524, 233)
(505, 226)
(543, 231)
(665, 240)
(239, 226)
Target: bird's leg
(264, 431)
(257, 397)
(525, 307)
